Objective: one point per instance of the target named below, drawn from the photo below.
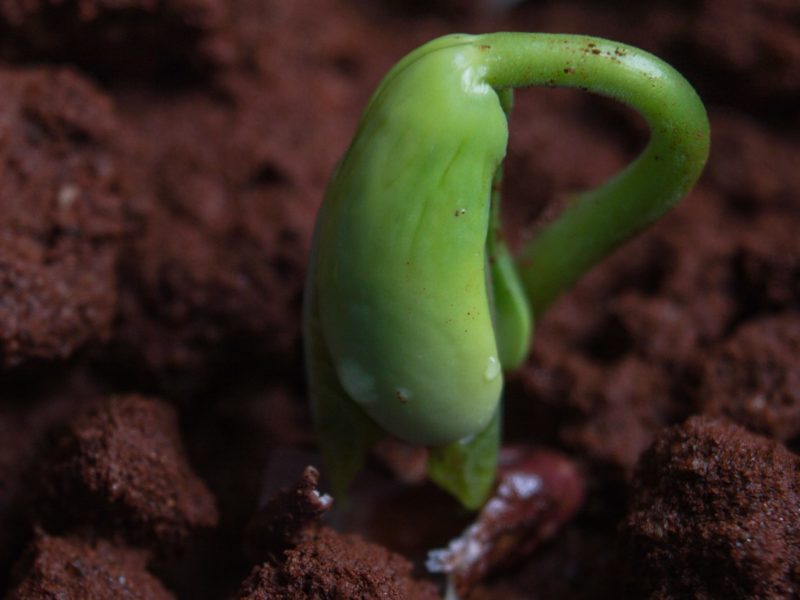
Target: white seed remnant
(492, 368)
(521, 485)
(325, 500)
(462, 551)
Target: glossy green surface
(413, 301)
(401, 285)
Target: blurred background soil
(161, 163)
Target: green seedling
(414, 305)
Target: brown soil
(54, 567)
(120, 467)
(61, 216)
(713, 513)
(161, 162)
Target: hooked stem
(599, 220)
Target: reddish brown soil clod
(306, 560)
(713, 514)
(121, 467)
(56, 567)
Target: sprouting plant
(413, 303)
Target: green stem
(599, 220)
(513, 321)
